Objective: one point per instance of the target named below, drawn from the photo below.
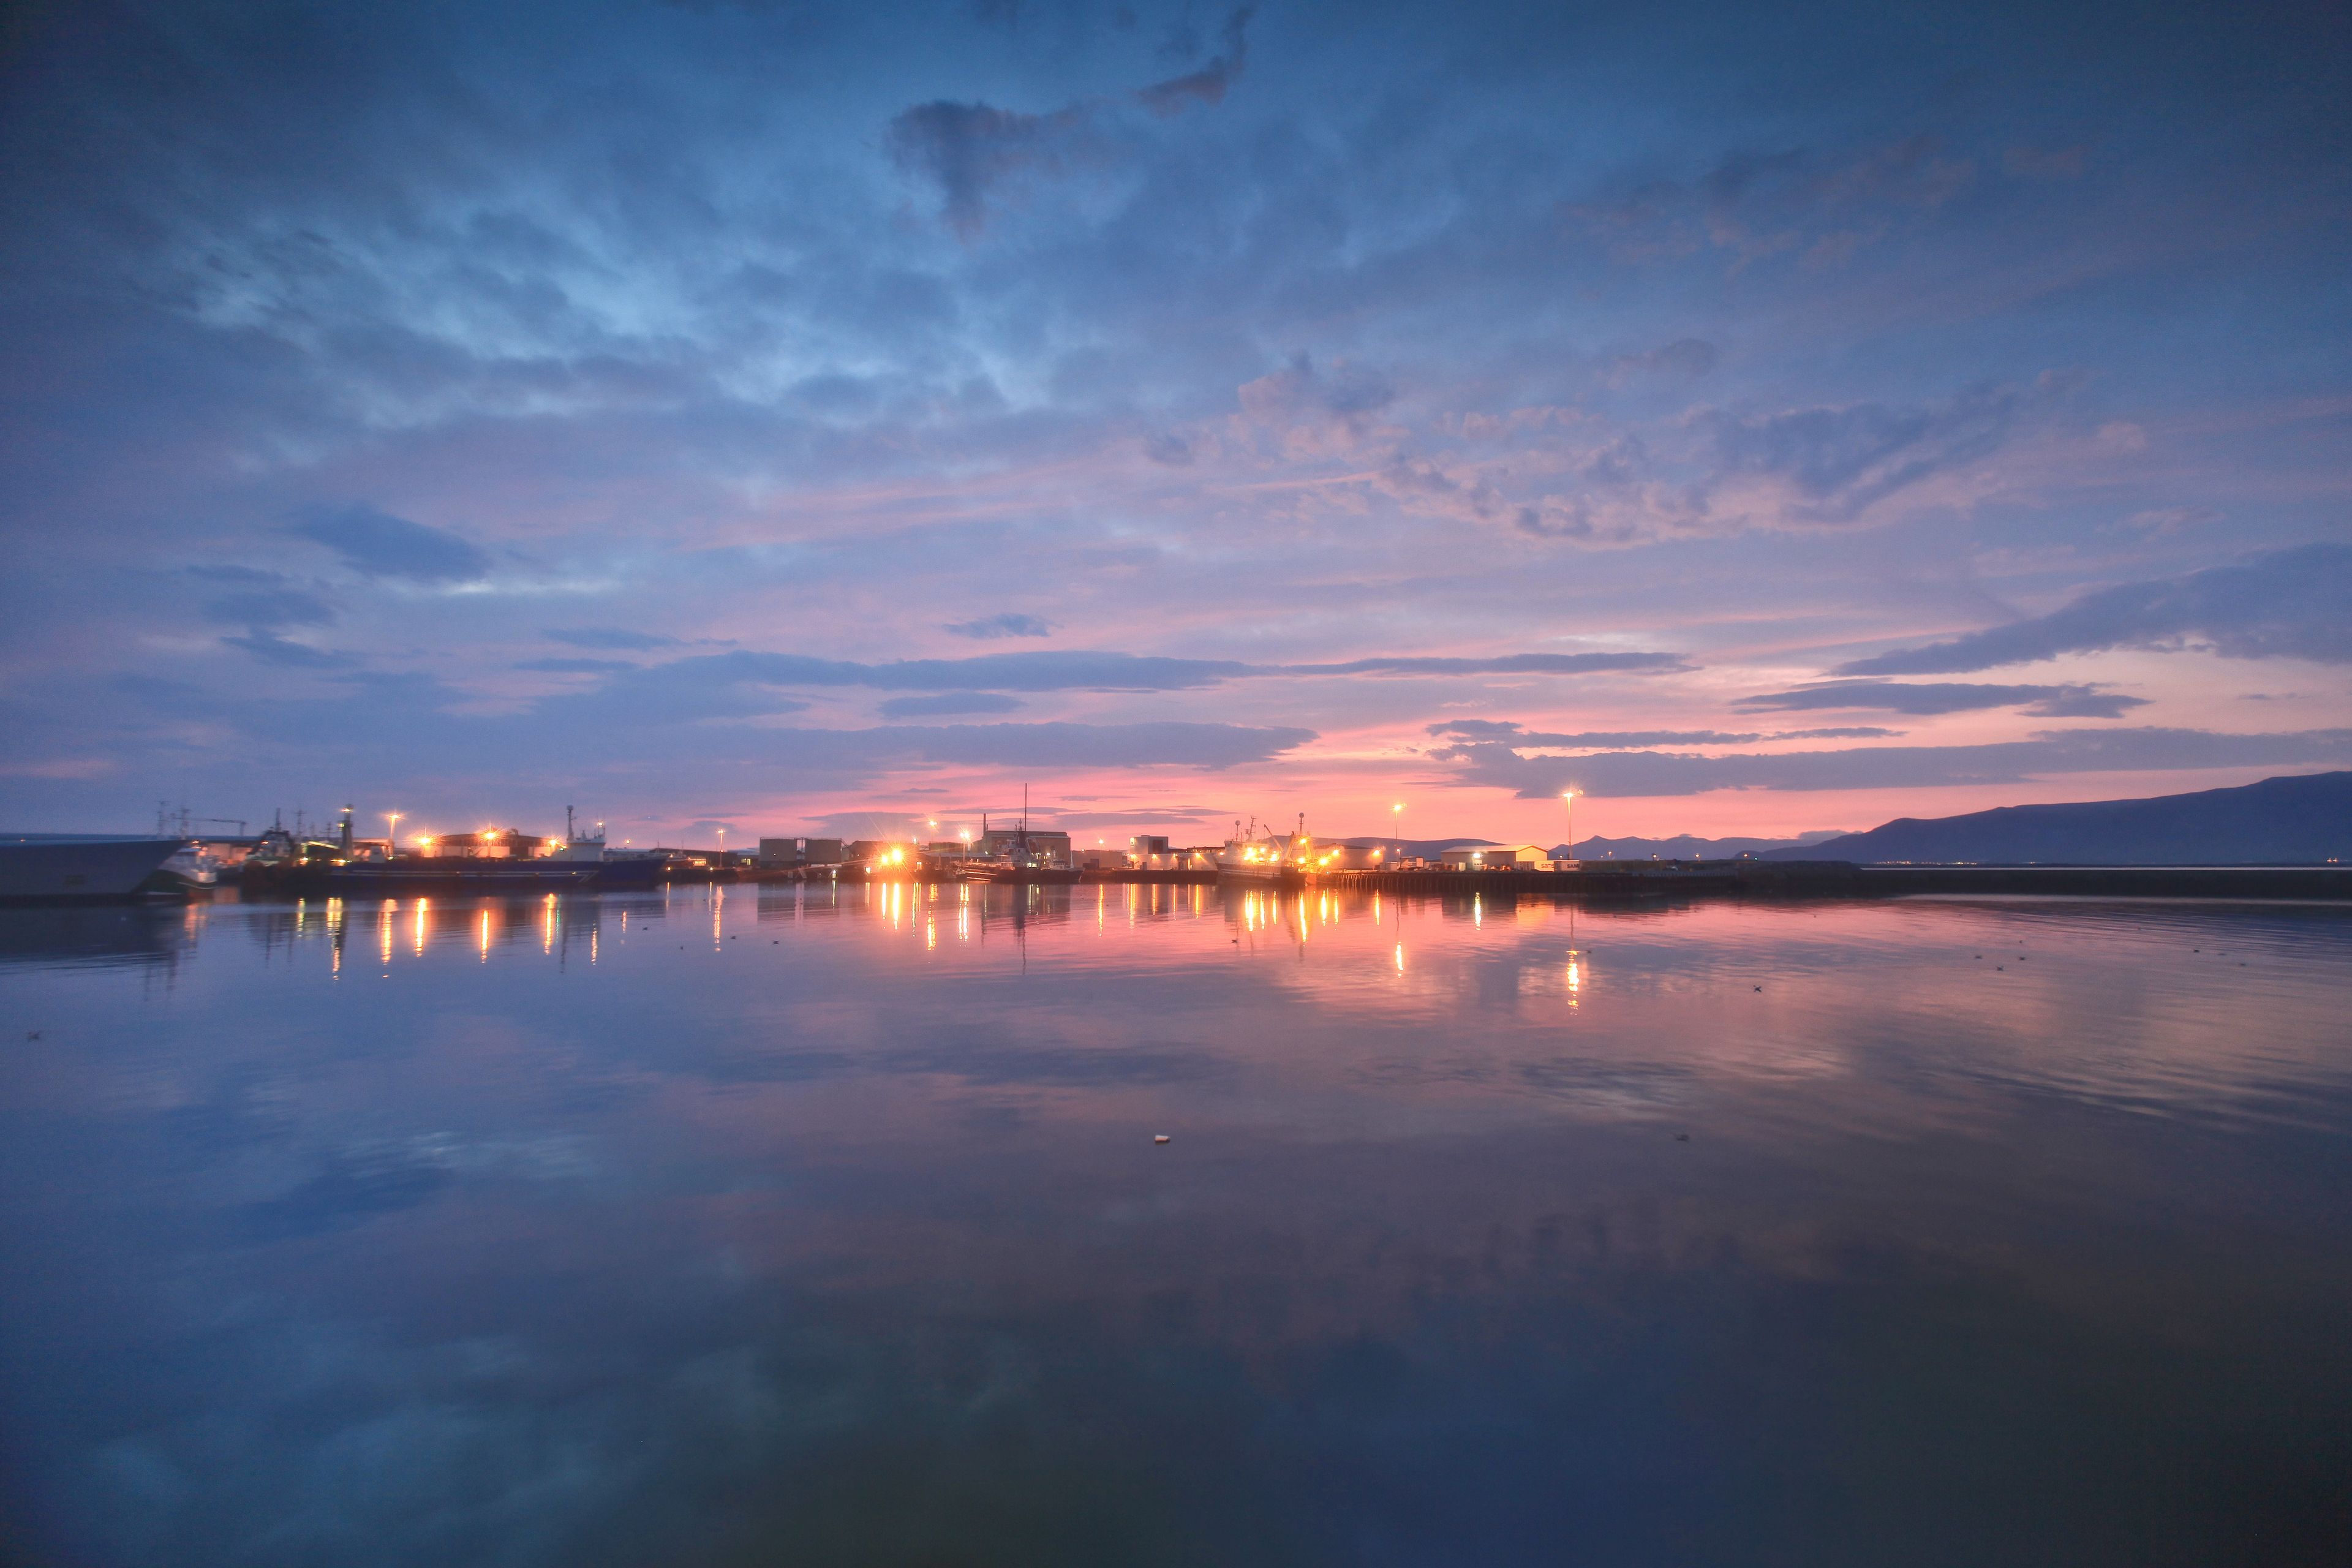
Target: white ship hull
(56, 865)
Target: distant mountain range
(2303, 820)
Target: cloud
(1316, 411)
(1168, 451)
(2171, 518)
(1009, 625)
(1510, 664)
(1181, 815)
(1756, 206)
(575, 665)
(607, 637)
(1687, 357)
(1831, 464)
(270, 607)
(1075, 670)
(1299, 389)
(1495, 730)
(2286, 604)
(378, 544)
(1635, 773)
(1207, 85)
(1170, 743)
(948, 703)
(1709, 471)
(272, 648)
(2036, 163)
(970, 150)
(2064, 701)
(1838, 733)
(1059, 671)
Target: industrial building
(777, 853)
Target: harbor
(282, 863)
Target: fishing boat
(1016, 860)
(1265, 858)
(1011, 868)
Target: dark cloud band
(1629, 774)
(1925, 698)
(2286, 604)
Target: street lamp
(391, 835)
(1569, 795)
(1396, 832)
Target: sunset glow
(740, 422)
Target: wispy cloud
(272, 648)
(948, 704)
(1924, 698)
(377, 544)
(2049, 754)
(608, 637)
(271, 607)
(1011, 624)
(1210, 83)
(2286, 604)
(972, 151)
(1089, 670)
(1510, 664)
(1584, 740)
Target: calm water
(755, 1227)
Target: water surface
(815, 1226)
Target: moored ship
(58, 868)
(579, 863)
(1251, 855)
(1016, 856)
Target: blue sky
(787, 415)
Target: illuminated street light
(1569, 795)
(392, 833)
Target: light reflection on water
(824, 1223)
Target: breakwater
(1841, 879)
(1739, 879)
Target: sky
(803, 418)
